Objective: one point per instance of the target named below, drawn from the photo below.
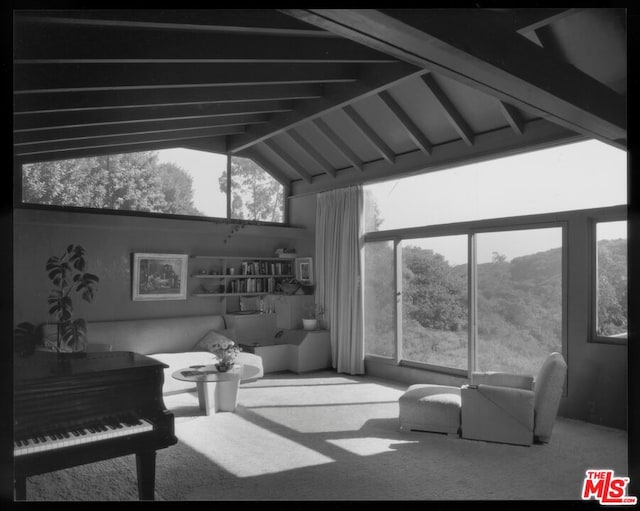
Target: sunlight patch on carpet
(245, 449)
(305, 395)
(369, 446)
(327, 418)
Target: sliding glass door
(480, 300)
(519, 298)
(435, 301)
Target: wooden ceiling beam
(450, 111)
(312, 152)
(413, 131)
(213, 145)
(144, 114)
(95, 77)
(529, 20)
(338, 143)
(295, 166)
(251, 21)
(372, 79)
(372, 137)
(91, 100)
(513, 117)
(55, 43)
(125, 140)
(506, 65)
(538, 135)
(133, 128)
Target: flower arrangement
(226, 351)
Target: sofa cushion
(157, 335)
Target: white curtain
(338, 257)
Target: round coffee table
(217, 392)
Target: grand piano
(73, 409)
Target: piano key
(60, 440)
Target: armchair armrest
(497, 414)
(502, 379)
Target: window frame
(471, 229)
(593, 336)
(18, 203)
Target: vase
(310, 324)
(223, 367)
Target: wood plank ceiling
(320, 98)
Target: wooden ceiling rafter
(117, 77)
(124, 116)
(58, 134)
(309, 93)
(416, 135)
(312, 152)
(55, 44)
(372, 79)
(369, 133)
(513, 117)
(454, 117)
(290, 161)
(168, 97)
(505, 65)
(338, 143)
(123, 143)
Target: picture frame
(159, 276)
(304, 270)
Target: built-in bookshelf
(220, 276)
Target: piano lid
(46, 364)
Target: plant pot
(223, 367)
(309, 324)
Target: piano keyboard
(81, 435)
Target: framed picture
(160, 276)
(304, 270)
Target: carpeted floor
(324, 436)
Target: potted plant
(311, 316)
(67, 274)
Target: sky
(205, 169)
(574, 176)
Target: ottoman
(433, 408)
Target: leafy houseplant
(311, 316)
(68, 275)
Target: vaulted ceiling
(320, 98)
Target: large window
(168, 181)
(519, 298)
(475, 259)
(255, 194)
(576, 176)
(610, 315)
(434, 301)
(380, 299)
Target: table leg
(227, 395)
(207, 396)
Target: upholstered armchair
(513, 409)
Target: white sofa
(169, 340)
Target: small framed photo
(160, 276)
(304, 270)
